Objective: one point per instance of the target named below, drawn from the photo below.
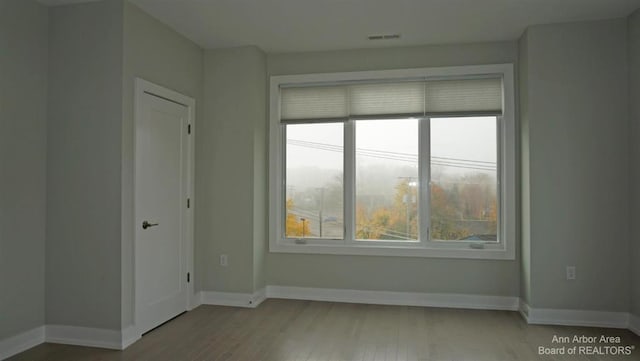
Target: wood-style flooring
(282, 330)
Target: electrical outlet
(224, 260)
(571, 273)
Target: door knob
(146, 224)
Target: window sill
(462, 251)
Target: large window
(415, 162)
(314, 191)
(464, 179)
(386, 180)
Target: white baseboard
(21, 342)
(119, 340)
(249, 300)
(128, 336)
(68, 335)
(548, 316)
(524, 310)
(395, 298)
(84, 336)
(259, 296)
(634, 324)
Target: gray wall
(576, 112)
(525, 175)
(574, 156)
(408, 274)
(154, 52)
(230, 158)
(83, 165)
(258, 98)
(634, 111)
(23, 107)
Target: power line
(443, 161)
(366, 150)
(465, 160)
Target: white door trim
(141, 87)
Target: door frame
(141, 87)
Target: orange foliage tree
(398, 221)
(443, 215)
(293, 227)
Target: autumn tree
(405, 214)
(476, 196)
(398, 221)
(443, 215)
(492, 215)
(464, 206)
(368, 226)
(459, 207)
(293, 227)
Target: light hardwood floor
(282, 330)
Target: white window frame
(503, 250)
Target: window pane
(464, 202)
(314, 191)
(387, 180)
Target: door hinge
(189, 129)
(188, 277)
(188, 202)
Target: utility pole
(408, 199)
(321, 209)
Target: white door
(161, 184)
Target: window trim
(504, 250)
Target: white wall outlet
(571, 273)
(224, 260)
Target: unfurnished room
(280, 180)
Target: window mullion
(349, 181)
(424, 168)
(282, 169)
(499, 181)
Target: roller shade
(323, 102)
(396, 99)
(472, 95)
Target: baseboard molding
(524, 310)
(444, 300)
(119, 340)
(548, 316)
(259, 296)
(634, 324)
(84, 336)
(21, 342)
(129, 336)
(248, 300)
(68, 335)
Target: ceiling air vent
(384, 37)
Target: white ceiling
(308, 25)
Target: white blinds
(409, 98)
(322, 102)
(395, 98)
(453, 96)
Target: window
(314, 191)
(386, 180)
(464, 179)
(416, 162)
